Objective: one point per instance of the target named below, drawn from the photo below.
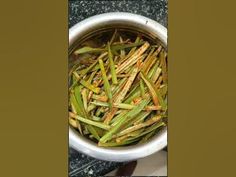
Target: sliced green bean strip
(99, 97)
(156, 75)
(88, 50)
(91, 77)
(130, 52)
(142, 89)
(79, 100)
(139, 118)
(147, 137)
(90, 86)
(84, 97)
(86, 70)
(149, 129)
(164, 66)
(140, 125)
(92, 130)
(125, 46)
(122, 51)
(112, 65)
(157, 98)
(95, 118)
(115, 89)
(91, 107)
(117, 117)
(135, 94)
(75, 103)
(163, 90)
(106, 83)
(153, 69)
(90, 122)
(132, 134)
(127, 86)
(118, 105)
(113, 36)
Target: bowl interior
(103, 35)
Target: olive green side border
(33, 89)
(202, 88)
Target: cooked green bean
(157, 98)
(90, 122)
(112, 65)
(106, 83)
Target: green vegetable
(90, 122)
(157, 98)
(112, 66)
(106, 82)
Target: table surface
(81, 165)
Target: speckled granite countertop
(154, 9)
(81, 165)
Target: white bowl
(136, 23)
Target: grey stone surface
(81, 165)
(154, 9)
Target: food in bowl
(118, 88)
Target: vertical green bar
(202, 88)
(33, 91)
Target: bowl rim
(118, 154)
